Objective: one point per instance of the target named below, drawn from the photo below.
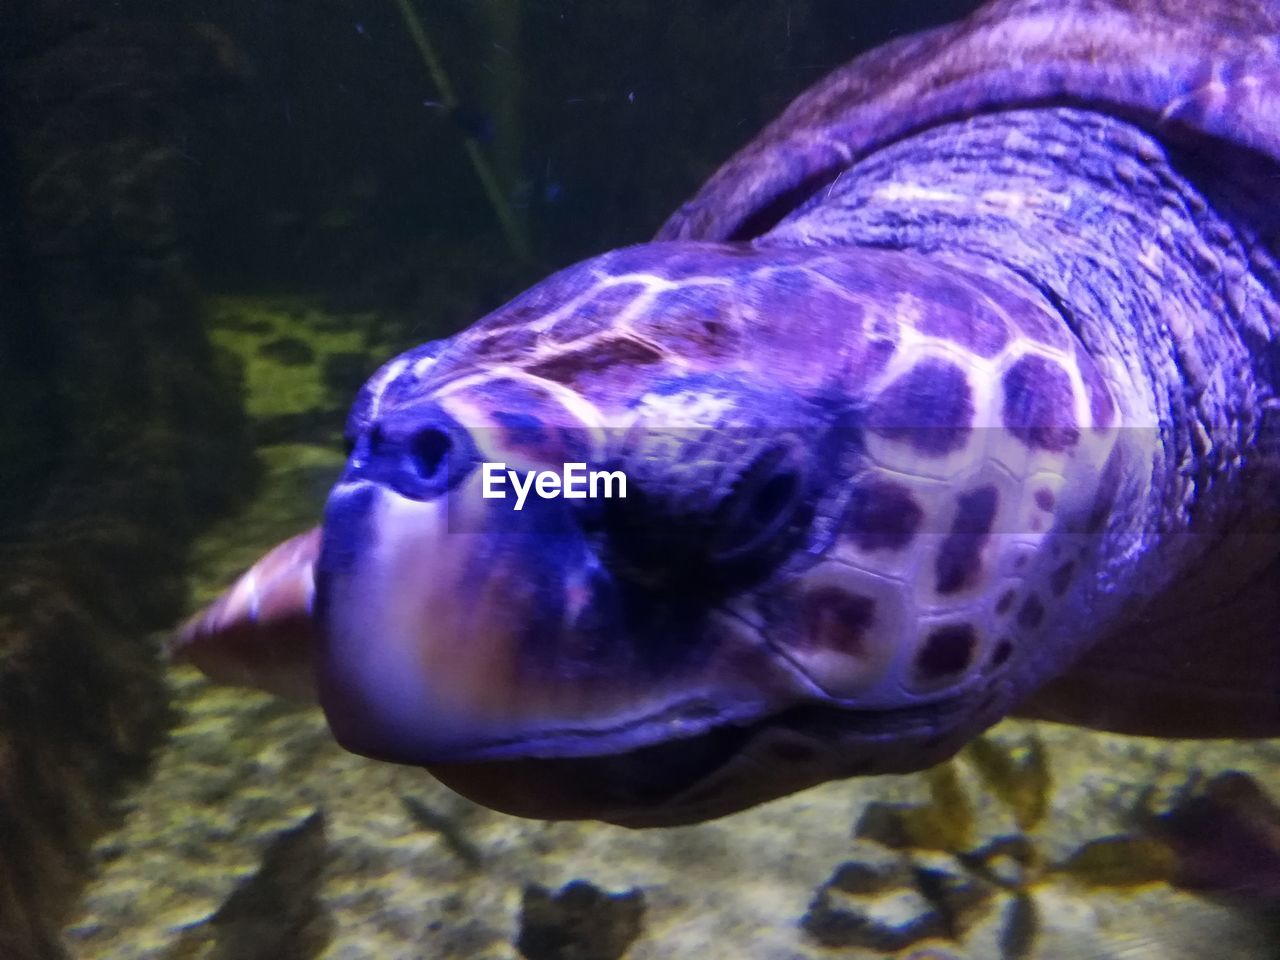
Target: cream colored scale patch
(958, 558)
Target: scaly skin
(951, 411)
(1184, 341)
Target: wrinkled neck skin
(1135, 246)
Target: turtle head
(518, 573)
(682, 529)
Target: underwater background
(216, 219)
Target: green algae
(1120, 861)
(1019, 777)
(253, 328)
(946, 822)
(992, 826)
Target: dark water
(216, 220)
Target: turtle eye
(762, 504)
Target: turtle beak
(458, 629)
(420, 624)
(428, 594)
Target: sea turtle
(957, 384)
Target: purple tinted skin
(794, 309)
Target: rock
(277, 913)
(1226, 840)
(892, 907)
(579, 923)
(140, 431)
(450, 831)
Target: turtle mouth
(461, 627)
(504, 656)
(718, 771)
(635, 788)
(454, 629)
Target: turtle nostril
(417, 450)
(429, 452)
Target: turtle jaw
(416, 641)
(438, 650)
(511, 664)
(453, 630)
(723, 770)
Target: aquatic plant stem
(503, 22)
(449, 100)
